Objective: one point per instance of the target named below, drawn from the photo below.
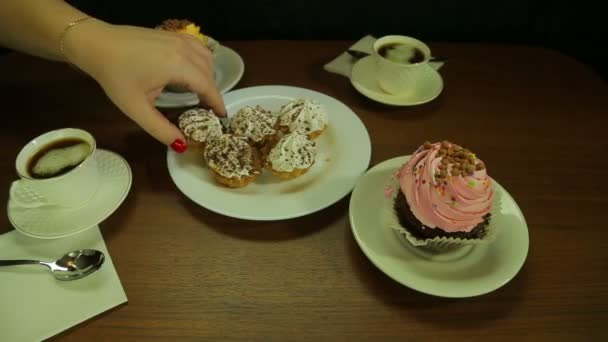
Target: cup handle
(26, 197)
(436, 64)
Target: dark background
(576, 28)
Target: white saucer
(229, 69)
(363, 79)
(51, 222)
(466, 272)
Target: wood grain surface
(537, 118)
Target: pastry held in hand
(234, 163)
(200, 125)
(303, 116)
(442, 197)
(254, 123)
(187, 27)
(292, 156)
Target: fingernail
(179, 146)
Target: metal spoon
(74, 265)
(360, 54)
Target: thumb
(140, 109)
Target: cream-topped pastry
(253, 123)
(292, 155)
(303, 116)
(200, 125)
(234, 162)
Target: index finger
(207, 91)
(209, 94)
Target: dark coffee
(401, 53)
(58, 158)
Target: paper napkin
(34, 305)
(343, 64)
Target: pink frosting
(457, 206)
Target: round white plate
(51, 222)
(229, 69)
(467, 272)
(364, 80)
(344, 152)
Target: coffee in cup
(401, 53)
(58, 158)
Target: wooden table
(537, 118)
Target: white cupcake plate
(344, 151)
(466, 272)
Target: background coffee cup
(396, 76)
(70, 189)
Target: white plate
(344, 155)
(467, 272)
(363, 79)
(51, 222)
(229, 69)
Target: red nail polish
(179, 146)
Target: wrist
(80, 43)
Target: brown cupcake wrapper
(436, 244)
(287, 175)
(233, 182)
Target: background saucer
(229, 69)
(466, 272)
(364, 80)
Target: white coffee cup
(70, 189)
(400, 77)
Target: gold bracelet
(65, 32)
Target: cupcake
(234, 163)
(200, 126)
(442, 198)
(292, 156)
(303, 116)
(255, 124)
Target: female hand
(133, 64)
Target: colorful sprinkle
(472, 184)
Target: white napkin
(34, 305)
(343, 64)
